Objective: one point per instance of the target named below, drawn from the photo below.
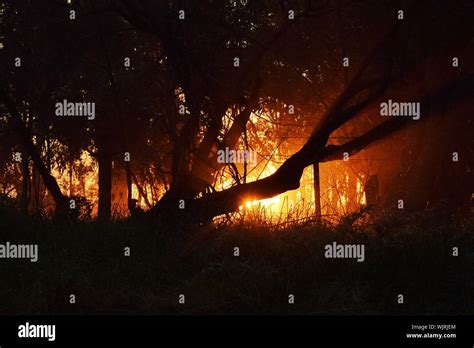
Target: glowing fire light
(263, 202)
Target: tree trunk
(317, 191)
(31, 151)
(25, 185)
(128, 174)
(71, 167)
(288, 176)
(105, 186)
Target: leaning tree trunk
(25, 139)
(288, 176)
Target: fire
(268, 202)
(342, 188)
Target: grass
(406, 253)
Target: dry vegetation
(405, 253)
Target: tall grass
(409, 254)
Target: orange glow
(268, 202)
(336, 181)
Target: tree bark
(26, 142)
(25, 184)
(105, 186)
(317, 191)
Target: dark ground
(406, 253)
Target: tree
(203, 73)
(375, 79)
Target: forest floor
(405, 253)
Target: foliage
(405, 253)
